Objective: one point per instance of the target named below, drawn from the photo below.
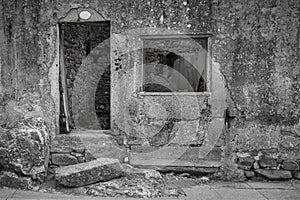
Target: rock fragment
(101, 169)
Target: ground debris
(138, 186)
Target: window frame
(178, 36)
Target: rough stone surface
(65, 143)
(24, 146)
(10, 179)
(101, 145)
(134, 185)
(39, 174)
(138, 187)
(274, 174)
(63, 159)
(189, 169)
(290, 165)
(297, 175)
(138, 183)
(147, 173)
(267, 162)
(249, 174)
(245, 162)
(83, 146)
(254, 44)
(255, 165)
(102, 169)
(176, 157)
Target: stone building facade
(76, 73)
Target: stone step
(177, 159)
(101, 169)
(101, 145)
(175, 153)
(274, 174)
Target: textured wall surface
(255, 47)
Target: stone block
(81, 159)
(66, 144)
(10, 179)
(255, 165)
(170, 155)
(274, 174)
(242, 154)
(146, 173)
(38, 174)
(63, 159)
(24, 146)
(253, 152)
(176, 106)
(297, 175)
(249, 174)
(190, 169)
(77, 155)
(279, 160)
(89, 157)
(267, 162)
(245, 162)
(102, 169)
(188, 132)
(192, 154)
(100, 145)
(290, 165)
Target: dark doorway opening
(77, 41)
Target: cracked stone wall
(254, 57)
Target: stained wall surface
(253, 71)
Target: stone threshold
(171, 165)
(89, 132)
(137, 161)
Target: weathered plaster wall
(255, 45)
(28, 51)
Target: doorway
(81, 49)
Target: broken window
(175, 63)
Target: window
(175, 63)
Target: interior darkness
(78, 41)
(160, 63)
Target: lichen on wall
(26, 57)
(258, 45)
(254, 44)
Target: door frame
(73, 15)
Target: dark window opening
(175, 64)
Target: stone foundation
(268, 164)
(66, 150)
